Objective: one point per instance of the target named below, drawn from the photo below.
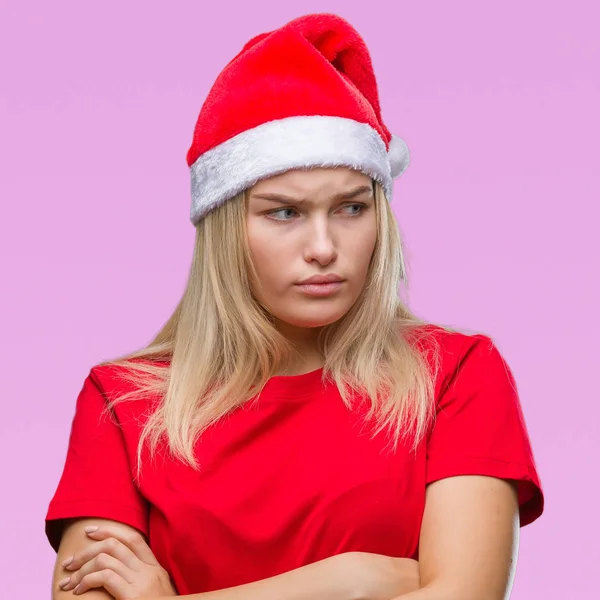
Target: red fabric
(314, 65)
(295, 477)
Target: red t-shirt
(296, 477)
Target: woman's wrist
(327, 579)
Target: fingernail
(67, 561)
(64, 582)
(91, 528)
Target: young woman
(294, 432)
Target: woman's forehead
(317, 181)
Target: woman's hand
(121, 563)
(376, 576)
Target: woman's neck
(304, 339)
(307, 365)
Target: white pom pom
(398, 156)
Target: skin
(298, 226)
(76, 543)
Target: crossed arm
(467, 550)
(469, 540)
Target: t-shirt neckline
(293, 386)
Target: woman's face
(311, 222)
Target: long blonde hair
(219, 347)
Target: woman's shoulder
(129, 377)
(448, 346)
(111, 369)
(471, 356)
(451, 339)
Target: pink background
(499, 105)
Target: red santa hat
(302, 96)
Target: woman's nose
(319, 244)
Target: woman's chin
(319, 319)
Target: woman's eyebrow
(363, 189)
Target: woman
(294, 431)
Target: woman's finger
(99, 563)
(114, 584)
(133, 539)
(110, 546)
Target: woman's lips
(320, 289)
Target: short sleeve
(480, 428)
(97, 478)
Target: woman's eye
(283, 210)
(274, 212)
(360, 206)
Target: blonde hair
(221, 346)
